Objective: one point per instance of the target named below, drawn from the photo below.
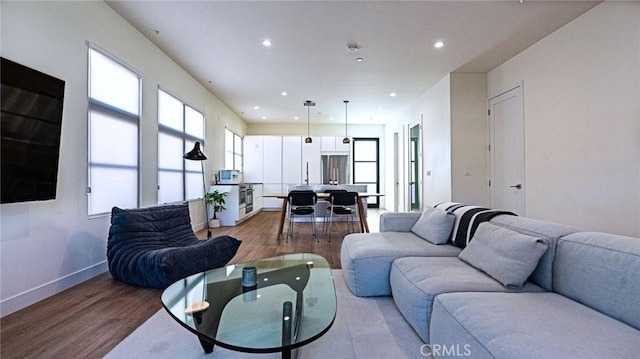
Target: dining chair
(327, 209)
(343, 204)
(302, 203)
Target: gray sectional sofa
(515, 288)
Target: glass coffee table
(282, 303)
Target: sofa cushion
(415, 281)
(528, 325)
(434, 225)
(507, 256)
(542, 275)
(366, 258)
(600, 270)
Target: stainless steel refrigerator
(335, 169)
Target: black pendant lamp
(308, 103)
(346, 139)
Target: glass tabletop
(292, 303)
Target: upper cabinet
(291, 159)
(252, 158)
(334, 144)
(272, 159)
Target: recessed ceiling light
(439, 44)
(359, 59)
(296, 118)
(266, 43)
(256, 107)
(264, 117)
(284, 93)
(393, 94)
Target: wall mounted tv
(31, 126)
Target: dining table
(362, 197)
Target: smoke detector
(352, 46)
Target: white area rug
(364, 328)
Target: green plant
(217, 200)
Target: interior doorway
(415, 166)
(506, 151)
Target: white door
(506, 132)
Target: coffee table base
(287, 314)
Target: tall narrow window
(114, 117)
(366, 168)
(179, 127)
(232, 151)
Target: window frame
(372, 202)
(187, 140)
(95, 106)
(230, 149)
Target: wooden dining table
(364, 226)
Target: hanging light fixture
(346, 139)
(308, 103)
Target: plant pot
(214, 223)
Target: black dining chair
(302, 203)
(327, 209)
(343, 204)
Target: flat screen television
(31, 126)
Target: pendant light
(346, 139)
(308, 103)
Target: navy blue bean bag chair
(156, 246)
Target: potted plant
(216, 199)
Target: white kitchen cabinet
(257, 197)
(334, 144)
(272, 159)
(342, 147)
(253, 159)
(292, 159)
(312, 162)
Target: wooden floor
(88, 320)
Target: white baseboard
(31, 296)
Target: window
(366, 168)
(114, 117)
(179, 128)
(232, 151)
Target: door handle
(518, 186)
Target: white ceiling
(219, 43)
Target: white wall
(582, 120)
(469, 160)
(434, 107)
(49, 246)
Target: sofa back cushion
(542, 275)
(434, 225)
(601, 271)
(505, 255)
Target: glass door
(366, 167)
